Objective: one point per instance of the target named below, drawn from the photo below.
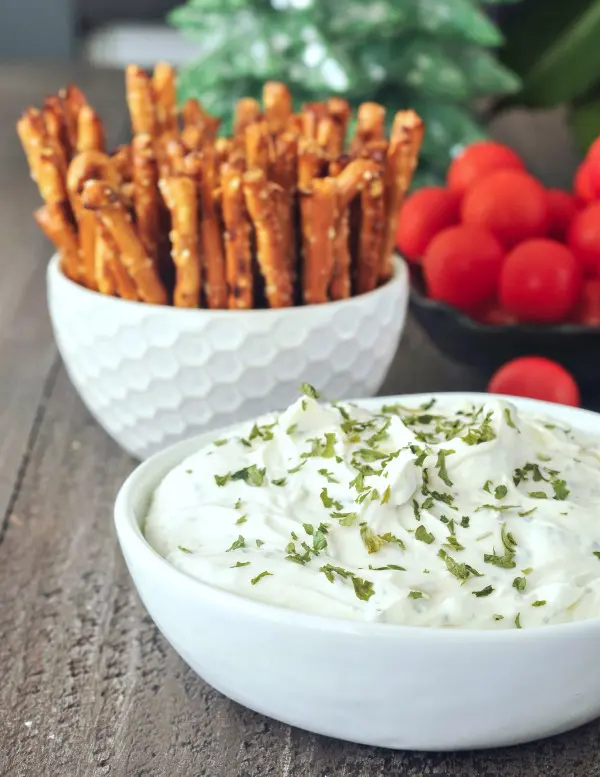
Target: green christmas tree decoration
(431, 55)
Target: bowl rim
(54, 273)
(567, 328)
(131, 537)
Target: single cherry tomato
(584, 238)
(462, 265)
(592, 163)
(540, 281)
(509, 203)
(563, 207)
(423, 215)
(588, 308)
(477, 161)
(537, 378)
(583, 185)
(495, 315)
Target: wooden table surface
(88, 685)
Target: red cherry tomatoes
(423, 215)
(511, 204)
(588, 309)
(584, 238)
(562, 207)
(462, 266)
(583, 185)
(479, 160)
(538, 378)
(540, 281)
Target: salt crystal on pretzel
(261, 203)
(202, 168)
(104, 201)
(238, 246)
(146, 200)
(31, 129)
(247, 111)
(165, 97)
(319, 235)
(372, 234)
(259, 146)
(54, 223)
(140, 101)
(175, 153)
(180, 196)
(277, 102)
(403, 154)
(90, 132)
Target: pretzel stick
(121, 163)
(56, 130)
(31, 129)
(180, 196)
(372, 234)
(295, 124)
(175, 153)
(140, 101)
(54, 223)
(353, 178)
(90, 132)
(339, 110)
(277, 101)
(258, 146)
(163, 85)
(114, 268)
(327, 136)
(193, 137)
(247, 111)
(104, 260)
(192, 112)
(146, 200)
(338, 164)
(403, 153)
(238, 256)
(285, 174)
(312, 113)
(73, 100)
(319, 230)
(370, 125)
(101, 198)
(310, 163)
(202, 168)
(262, 208)
(340, 287)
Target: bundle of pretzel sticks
(284, 212)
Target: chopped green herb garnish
(423, 535)
(218, 443)
(527, 512)
(561, 492)
(483, 592)
(519, 583)
(345, 519)
(453, 543)
(393, 567)
(238, 504)
(259, 543)
(509, 420)
(597, 553)
(328, 475)
(538, 603)
(239, 543)
(416, 509)
(291, 429)
(504, 562)
(251, 475)
(498, 617)
(279, 482)
(184, 550)
(309, 391)
(518, 621)
(498, 508)
(441, 465)
(500, 492)
(487, 486)
(386, 495)
(221, 480)
(415, 595)
(243, 519)
(189, 471)
(538, 495)
(362, 588)
(527, 570)
(461, 571)
(240, 564)
(464, 521)
(255, 580)
(371, 541)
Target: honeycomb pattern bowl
(154, 375)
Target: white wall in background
(145, 44)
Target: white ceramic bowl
(154, 375)
(403, 687)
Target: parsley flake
(539, 603)
(221, 480)
(243, 519)
(483, 592)
(309, 391)
(255, 580)
(239, 543)
(184, 550)
(251, 475)
(240, 564)
(519, 583)
(415, 595)
(423, 535)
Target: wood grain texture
(88, 686)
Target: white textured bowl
(403, 687)
(154, 375)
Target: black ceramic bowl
(486, 347)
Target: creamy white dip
(469, 516)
